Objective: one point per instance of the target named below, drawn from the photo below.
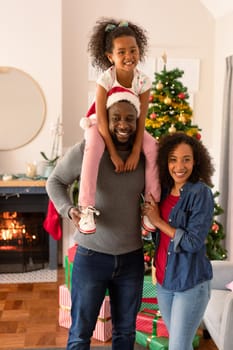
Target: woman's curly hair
(203, 167)
(101, 40)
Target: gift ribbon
(148, 340)
(104, 319)
(64, 307)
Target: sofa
(218, 317)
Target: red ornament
(198, 136)
(215, 227)
(146, 258)
(153, 116)
(151, 98)
(181, 95)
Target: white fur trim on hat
(85, 123)
(124, 96)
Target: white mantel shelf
(23, 183)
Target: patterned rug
(38, 276)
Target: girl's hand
(151, 209)
(132, 161)
(118, 162)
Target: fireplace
(24, 244)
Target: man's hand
(75, 216)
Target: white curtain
(226, 170)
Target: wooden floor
(29, 317)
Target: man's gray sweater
(118, 228)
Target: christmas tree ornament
(172, 129)
(181, 95)
(159, 85)
(151, 98)
(153, 116)
(167, 100)
(182, 119)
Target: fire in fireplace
(24, 244)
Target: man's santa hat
(116, 94)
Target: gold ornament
(167, 100)
(159, 85)
(172, 129)
(182, 119)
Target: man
(113, 256)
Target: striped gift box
(64, 307)
(103, 328)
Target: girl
(116, 48)
(183, 271)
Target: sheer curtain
(226, 170)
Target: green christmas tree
(214, 247)
(169, 112)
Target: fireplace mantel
(22, 185)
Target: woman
(183, 219)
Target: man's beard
(129, 143)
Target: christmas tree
(214, 248)
(169, 112)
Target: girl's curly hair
(203, 167)
(101, 40)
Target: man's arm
(67, 170)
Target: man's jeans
(183, 312)
(92, 274)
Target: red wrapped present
(64, 307)
(103, 328)
(72, 252)
(150, 321)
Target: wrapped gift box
(103, 328)
(152, 342)
(72, 252)
(150, 321)
(149, 289)
(64, 307)
(68, 272)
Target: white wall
(30, 37)
(224, 48)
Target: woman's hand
(151, 210)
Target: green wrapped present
(68, 272)
(149, 289)
(152, 342)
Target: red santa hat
(116, 94)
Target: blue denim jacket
(187, 263)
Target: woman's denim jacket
(187, 263)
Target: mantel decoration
(51, 160)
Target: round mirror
(22, 108)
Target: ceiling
(218, 8)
